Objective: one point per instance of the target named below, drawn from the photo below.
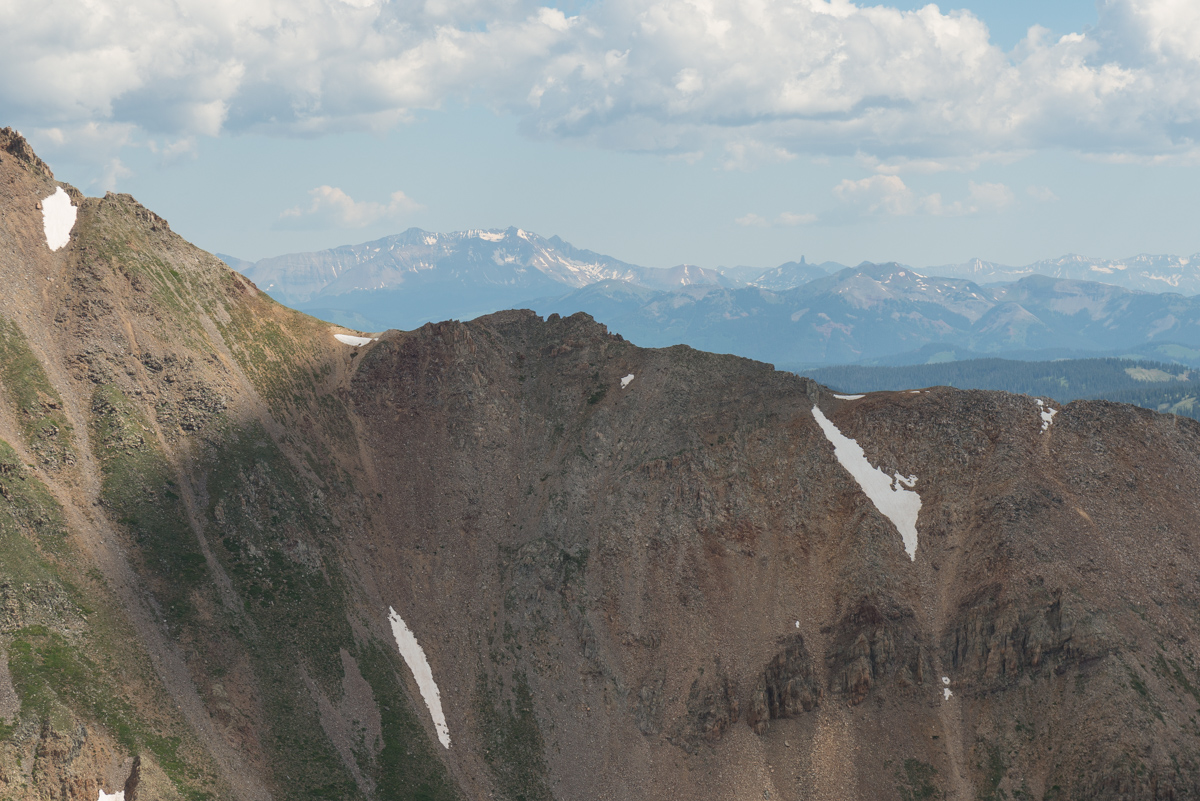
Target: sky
(660, 132)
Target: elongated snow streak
(117, 796)
(849, 397)
(1047, 415)
(892, 496)
(414, 657)
(625, 381)
(58, 218)
(355, 341)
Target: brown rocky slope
(671, 589)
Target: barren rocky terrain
(669, 586)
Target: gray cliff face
(213, 512)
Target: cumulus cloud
(878, 194)
(759, 81)
(330, 207)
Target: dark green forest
(1160, 386)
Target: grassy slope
(287, 617)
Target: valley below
(523, 558)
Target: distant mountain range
(1148, 273)
(795, 315)
(892, 314)
(405, 280)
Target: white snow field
(355, 341)
(58, 218)
(892, 496)
(117, 796)
(625, 381)
(848, 397)
(1047, 415)
(414, 657)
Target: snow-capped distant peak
(487, 236)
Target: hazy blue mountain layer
(889, 312)
(794, 315)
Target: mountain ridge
(632, 573)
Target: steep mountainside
(524, 559)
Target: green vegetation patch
(58, 678)
(916, 781)
(38, 406)
(120, 235)
(992, 772)
(31, 522)
(512, 741)
(139, 488)
(270, 532)
(407, 768)
(51, 676)
(274, 535)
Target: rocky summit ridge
(522, 558)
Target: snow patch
(848, 397)
(355, 341)
(946, 693)
(1047, 415)
(892, 495)
(117, 796)
(58, 218)
(946, 680)
(414, 657)
(625, 381)
(489, 236)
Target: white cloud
(889, 195)
(753, 220)
(917, 90)
(786, 219)
(170, 151)
(114, 172)
(878, 194)
(1041, 193)
(748, 155)
(330, 207)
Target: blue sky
(657, 131)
